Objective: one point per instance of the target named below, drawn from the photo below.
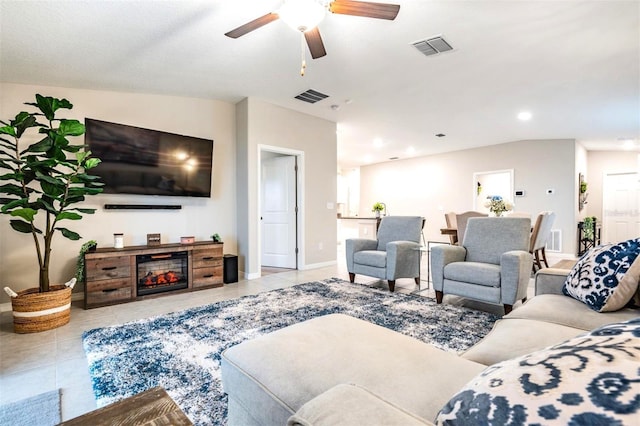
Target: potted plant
(80, 263)
(377, 208)
(40, 186)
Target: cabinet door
(211, 276)
(204, 258)
(108, 268)
(105, 292)
(207, 267)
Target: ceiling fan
(305, 15)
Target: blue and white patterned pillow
(592, 379)
(605, 278)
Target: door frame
(300, 217)
(476, 176)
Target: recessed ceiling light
(411, 150)
(440, 135)
(377, 142)
(394, 158)
(524, 116)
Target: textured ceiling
(575, 65)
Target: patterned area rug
(181, 351)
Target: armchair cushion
(485, 274)
(606, 277)
(374, 258)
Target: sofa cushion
(508, 339)
(563, 310)
(350, 404)
(605, 278)
(589, 379)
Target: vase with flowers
(498, 205)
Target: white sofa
(338, 370)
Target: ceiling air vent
(432, 46)
(311, 96)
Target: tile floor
(34, 363)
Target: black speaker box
(230, 268)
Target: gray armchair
(395, 254)
(492, 264)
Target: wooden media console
(113, 275)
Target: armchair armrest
(403, 259)
(515, 271)
(550, 280)
(353, 245)
(441, 256)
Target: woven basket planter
(34, 311)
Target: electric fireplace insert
(158, 273)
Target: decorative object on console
(187, 240)
(118, 240)
(49, 177)
(606, 277)
(153, 239)
(575, 382)
(216, 238)
(181, 351)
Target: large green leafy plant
(49, 177)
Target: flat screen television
(149, 162)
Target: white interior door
(279, 212)
(621, 204)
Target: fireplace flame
(168, 277)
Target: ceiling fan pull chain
(302, 55)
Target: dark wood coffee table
(153, 407)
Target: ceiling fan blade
(314, 41)
(365, 8)
(253, 25)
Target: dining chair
(539, 237)
(450, 219)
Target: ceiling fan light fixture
(302, 15)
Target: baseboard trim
(318, 265)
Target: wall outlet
(330, 205)
(320, 246)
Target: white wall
(198, 217)
(260, 123)
(432, 185)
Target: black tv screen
(149, 162)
